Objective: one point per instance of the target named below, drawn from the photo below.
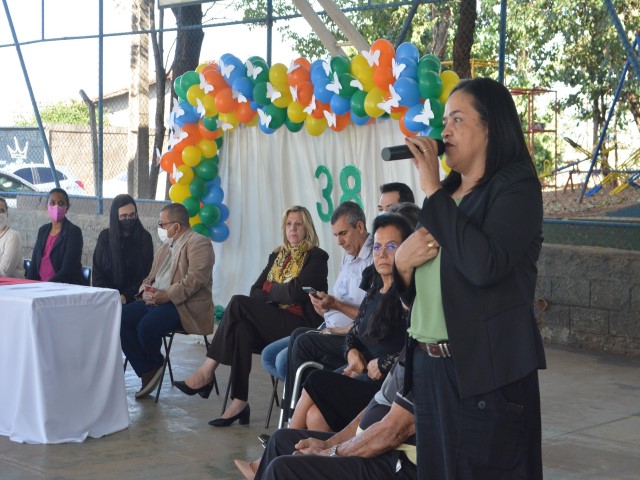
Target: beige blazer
(191, 282)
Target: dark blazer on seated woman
(66, 254)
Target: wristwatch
(334, 451)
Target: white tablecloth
(61, 370)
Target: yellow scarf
(288, 264)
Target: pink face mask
(56, 213)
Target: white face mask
(4, 219)
(162, 233)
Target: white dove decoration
(392, 102)
(226, 69)
(223, 125)
(331, 118)
(238, 96)
(177, 137)
(265, 119)
(311, 107)
(294, 92)
(356, 83)
(426, 114)
(252, 71)
(206, 87)
(326, 67)
(334, 86)
(200, 108)
(397, 68)
(373, 58)
(177, 174)
(293, 67)
(272, 93)
(176, 112)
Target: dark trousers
(141, 331)
(278, 463)
(492, 436)
(306, 344)
(248, 325)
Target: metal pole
(100, 105)
(36, 112)
(503, 35)
(269, 30)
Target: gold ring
(431, 244)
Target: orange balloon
(305, 93)
(168, 159)
(245, 113)
(225, 102)
(383, 77)
(208, 134)
(299, 75)
(387, 52)
(320, 109)
(215, 79)
(303, 62)
(342, 121)
(193, 134)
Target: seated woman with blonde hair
(275, 307)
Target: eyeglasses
(131, 216)
(390, 248)
(162, 224)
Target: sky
(58, 70)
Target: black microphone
(400, 152)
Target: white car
(118, 185)
(10, 185)
(41, 177)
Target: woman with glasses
(124, 251)
(10, 244)
(57, 254)
(330, 400)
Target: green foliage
(70, 112)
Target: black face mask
(128, 223)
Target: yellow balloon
(397, 115)
(209, 104)
(371, 101)
(191, 155)
(449, 77)
(186, 177)
(446, 91)
(359, 64)
(315, 126)
(230, 119)
(178, 192)
(209, 148)
(284, 100)
(194, 93)
(278, 76)
(253, 122)
(366, 79)
(202, 66)
(295, 112)
(195, 219)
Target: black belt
(438, 350)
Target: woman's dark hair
(116, 235)
(63, 192)
(389, 315)
(506, 143)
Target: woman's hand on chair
(373, 371)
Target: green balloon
(293, 126)
(278, 116)
(210, 123)
(427, 65)
(209, 214)
(207, 170)
(260, 70)
(357, 103)
(430, 85)
(219, 142)
(434, 60)
(189, 79)
(436, 132)
(438, 110)
(340, 64)
(197, 188)
(178, 89)
(347, 89)
(192, 205)
(260, 94)
(201, 229)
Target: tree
(70, 112)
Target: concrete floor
(591, 427)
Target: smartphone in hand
(311, 291)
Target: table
(61, 367)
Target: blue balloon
(340, 105)
(253, 104)
(407, 50)
(318, 68)
(359, 120)
(189, 115)
(409, 118)
(233, 69)
(244, 86)
(408, 90)
(217, 181)
(320, 90)
(224, 212)
(213, 195)
(410, 68)
(219, 232)
(265, 129)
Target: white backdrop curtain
(262, 175)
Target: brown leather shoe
(150, 381)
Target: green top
(427, 315)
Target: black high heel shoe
(204, 391)
(242, 417)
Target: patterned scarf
(288, 264)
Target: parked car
(118, 185)
(40, 176)
(10, 185)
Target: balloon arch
(318, 95)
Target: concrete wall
(589, 297)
